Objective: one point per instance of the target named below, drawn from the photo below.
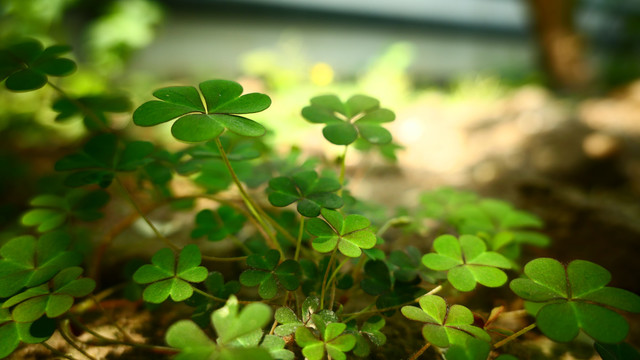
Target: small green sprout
(27, 262)
(574, 297)
(26, 64)
(444, 326)
(268, 273)
(360, 116)
(53, 299)
(101, 158)
(52, 211)
(467, 262)
(350, 234)
(198, 121)
(217, 225)
(166, 279)
(312, 193)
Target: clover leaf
(234, 331)
(575, 297)
(53, 299)
(360, 116)
(334, 342)
(204, 306)
(369, 332)
(444, 325)
(12, 333)
(217, 225)
(621, 351)
(52, 210)
(312, 193)
(30, 262)
(26, 64)
(472, 349)
(275, 345)
(166, 278)
(467, 262)
(198, 121)
(350, 234)
(288, 320)
(266, 273)
(97, 105)
(101, 157)
(378, 281)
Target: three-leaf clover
(369, 332)
(202, 121)
(26, 65)
(101, 158)
(378, 281)
(52, 299)
(168, 278)
(217, 225)
(12, 333)
(360, 116)
(267, 273)
(312, 193)
(350, 234)
(467, 262)
(574, 297)
(334, 342)
(27, 262)
(234, 330)
(51, 211)
(444, 325)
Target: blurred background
(534, 101)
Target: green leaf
(575, 297)
(467, 262)
(195, 123)
(268, 275)
(444, 326)
(192, 342)
(288, 320)
(359, 117)
(312, 193)
(275, 345)
(30, 262)
(621, 351)
(166, 279)
(217, 225)
(472, 349)
(230, 325)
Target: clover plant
(321, 281)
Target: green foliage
(30, 262)
(350, 234)
(53, 299)
(204, 306)
(217, 225)
(96, 105)
(100, 159)
(444, 325)
(575, 297)
(198, 121)
(618, 351)
(360, 116)
(25, 65)
(368, 333)
(391, 291)
(467, 262)
(267, 272)
(12, 333)
(333, 341)
(52, 211)
(168, 279)
(312, 193)
(239, 333)
(472, 349)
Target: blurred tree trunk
(561, 48)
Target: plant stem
(88, 112)
(367, 311)
(514, 336)
(144, 217)
(299, 241)
(214, 258)
(63, 328)
(56, 351)
(326, 274)
(110, 318)
(417, 354)
(247, 199)
(206, 294)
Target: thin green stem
(144, 217)
(514, 336)
(110, 318)
(326, 275)
(57, 352)
(87, 111)
(206, 294)
(337, 270)
(417, 354)
(223, 259)
(299, 241)
(63, 328)
(247, 199)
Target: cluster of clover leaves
(314, 278)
